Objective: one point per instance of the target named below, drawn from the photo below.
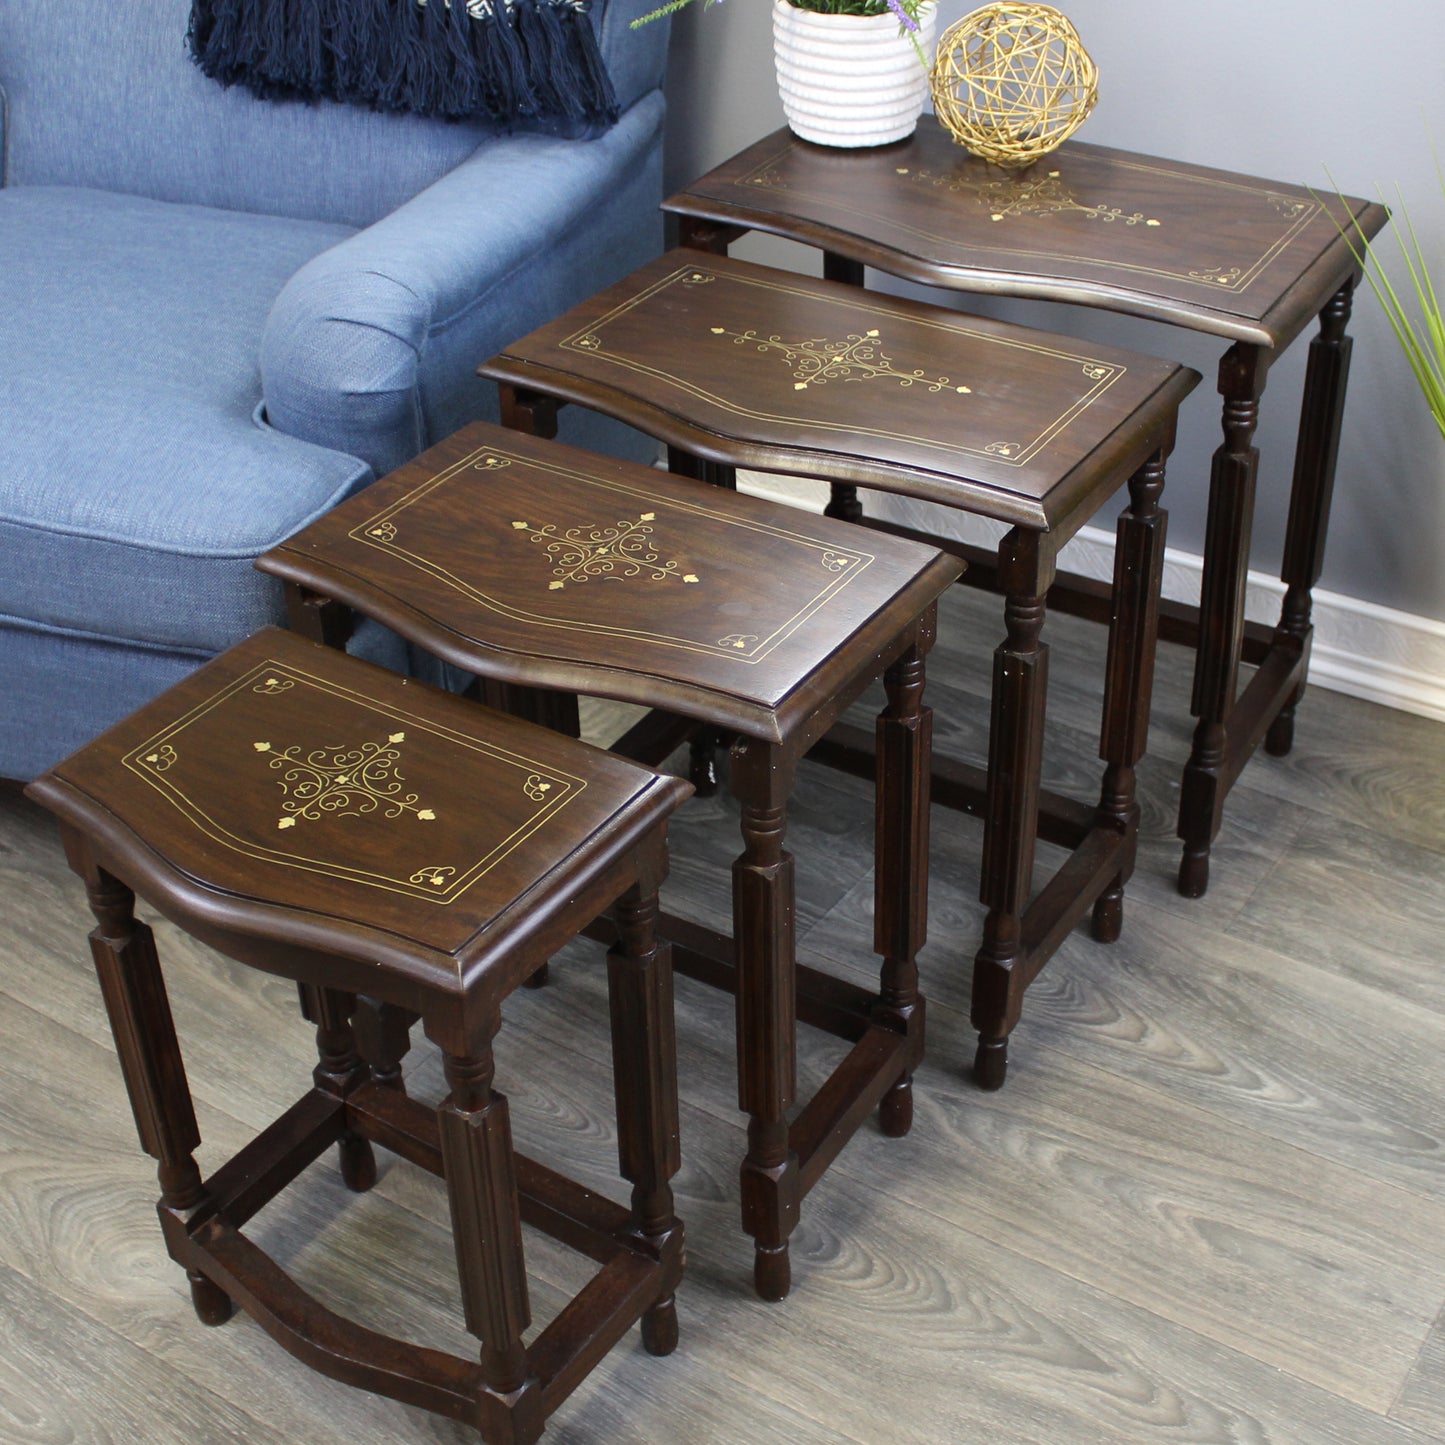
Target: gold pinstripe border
(859, 561)
(953, 446)
(1246, 279)
(569, 787)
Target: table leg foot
(212, 1304)
(659, 1327)
(1280, 738)
(990, 1064)
(895, 1109)
(772, 1272)
(1108, 920)
(1194, 872)
(358, 1163)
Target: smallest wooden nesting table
(322, 819)
(533, 563)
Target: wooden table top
(761, 368)
(538, 563)
(291, 792)
(1232, 255)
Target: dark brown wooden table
(539, 565)
(389, 847)
(741, 365)
(1245, 259)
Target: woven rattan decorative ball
(1012, 82)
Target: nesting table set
(404, 854)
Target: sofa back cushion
(103, 94)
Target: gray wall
(1275, 88)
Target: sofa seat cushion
(137, 480)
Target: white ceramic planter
(850, 80)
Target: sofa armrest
(345, 349)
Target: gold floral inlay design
(490, 463)
(271, 686)
(383, 530)
(1287, 207)
(816, 360)
(342, 780)
(163, 757)
(608, 554)
(1027, 196)
(536, 788)
(1219, 275)
(433, 877)
(740, 640)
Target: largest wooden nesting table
(740, 365)
(1232, 256)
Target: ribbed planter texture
(850, 80)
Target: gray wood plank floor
(1209, 1206)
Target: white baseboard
(1359, 648)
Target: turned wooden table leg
(340, 1071)
(476, 1144)
(383, 1036)
(644, 1064)
(322, 619)
(763, 930)
(702, 748)
(1015, 755)
(1221, 611)
(843, 499)
(1129, 671)
(1312, 491)
(900, 913)
(134, 991)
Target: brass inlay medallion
(740, 640)
(609, 554)
(815, 360)
(1026, 196)
(585, 553)
(350, 780)
(355, 780)
(859, 358)
(1031, 197)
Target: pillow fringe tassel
(501, 60)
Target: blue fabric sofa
(219, 316)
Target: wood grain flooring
(1209, 1206)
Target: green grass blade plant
(1413, 314)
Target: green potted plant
(1414, 314)
(850, 72)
